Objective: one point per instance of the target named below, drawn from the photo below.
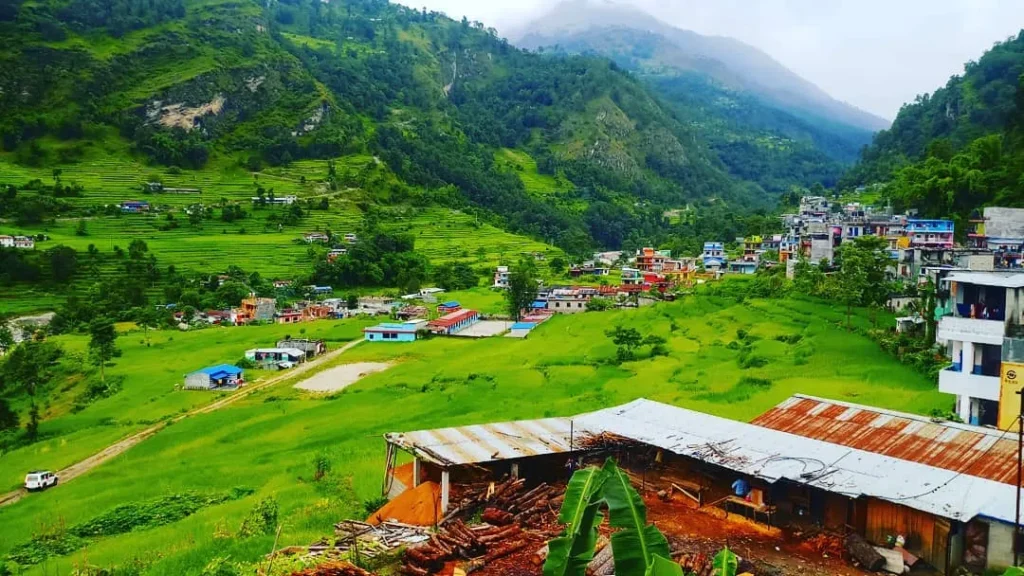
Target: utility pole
(1020, 465)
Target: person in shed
(741, 488)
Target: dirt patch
(181, 116)
(341, 377)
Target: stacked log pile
(458, 542)
(333, 569)
(507, 509)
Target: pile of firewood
(456, 541)
(508, 503)
(333, 569)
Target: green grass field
(268, 441)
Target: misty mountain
(734, 94)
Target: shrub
(371, 505)
(262, 519)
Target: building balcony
(952, 381)
(972, 330)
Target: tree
(8, 417)
(32, 426)
(80, 229)
(522, 288)
(557, 265)
(102, 343)
(63, 263)
(6, 338)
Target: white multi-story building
(981, 309)
(501, 277)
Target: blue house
(219, 376)
(390, 333)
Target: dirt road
(83, 466)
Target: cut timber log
(496, 517)
(864, 553)
(505, 550)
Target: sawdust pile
(420, 506)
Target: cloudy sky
(875, 54)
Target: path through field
(79, 468)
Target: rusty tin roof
(980, 452)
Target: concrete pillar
(963, 407)
(515, 470)
(445, 487)
(957, 351)
(968, 357)
(415, 472)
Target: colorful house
(215, 377)
(275, 355)
(256, 309)
(713, 255)
(448, 307)
(389, 332)
(134, 206)
(454, 322)
(500, 277)
(651, 260)
(288, 316)
(930, 233)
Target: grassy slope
(268, 442)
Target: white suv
(40, 480)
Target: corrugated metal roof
(980, 452)
(773, 455)
(489, 442)
(744, 448)
(999, 279)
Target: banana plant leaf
(726, 563)
(569, 554)
(636, 544)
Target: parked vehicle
(40, 480)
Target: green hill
(959, 148)
(765, 123)
(208, 85)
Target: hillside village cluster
(908, 491)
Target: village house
(134, 206)
(448, 307)
(570, 300)
(412, 313)
(607, 258)
(589, 269)
(930, 233)
(276, 200)
(500, 277)
(254, 309)
(713, 256)
(805, 465)
(980, 318)
(390, 332)
(222, 376)
(375, 305)
(336, 253)
(217, 316)
(288, 316)
(282, 284)
(314, 237)
(632, 276)
(1001, 231)
(651, 260)
(20, 242)
(351, 238)
(311, 348)
(281, 357)
(450, 324)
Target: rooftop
(773, 456)
(981, 452)
(220, 369)
(392, 327)
(997, 279)
(750, 449)
(487, 442)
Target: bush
(262, 519)
(373, 504)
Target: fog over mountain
(874, 54)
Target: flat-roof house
(979, 315)
(6, 241)
(257, 309)
(310, 347)
(275, 355)
(500, 277)
(288, 316)
(313, 237)
(454, 322)
(214, 377)
(390, 332)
